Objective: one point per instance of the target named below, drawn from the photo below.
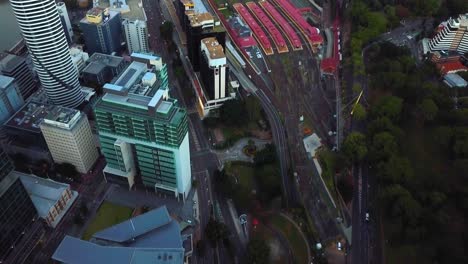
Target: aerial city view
(234, 131)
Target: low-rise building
(79, 57)
(52, 199)
(150, 238)
(102, 68)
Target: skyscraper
(10, 101)
(452, 35)
(67, 28)
(144, 132)
(102, 30)
(136, 34)
(42, 30)
(17, 212)
(16, 67)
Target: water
(9, 30)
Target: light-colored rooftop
(132, 11)
(199, 19)
(214, 48)
(5, 81)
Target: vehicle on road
(367, 217)
(338, 245)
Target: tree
(388, 106)
(359, 112)
(166, 30)
(258, 251)
(78, 219)
(84, 209)
(396, 170)
(265, 155)
(428, 109)
(233, 113)
(383, 146)
(216, 231)
(201, 247)
(67, 170)
(253, 108)
(224, 183)
(354, 146)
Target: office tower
(452, 35)
(69, 138)
(102, 30)
(136, 34)
(17, 68)
(41, 29)
(102, 68)
(144, 132)
(202, 26)
(213, 69)
(17, 212)
(65, 20)
(10, 101)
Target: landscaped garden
(108, 215)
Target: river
(9, 30)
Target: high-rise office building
(143, 131)
(17, 212)
(65, 20)
(10, 101)
(102, 30)
(452, 35)
(213, 69)
(41, 29)
(17, 67)
(136, 34)
(102, 68)
(198, 24)
(69, 138)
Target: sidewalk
(235, 152)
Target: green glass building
(144, 133)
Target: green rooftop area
(109, 214)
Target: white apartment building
(136, 34)
(453, 35)
(69, 138)
(79, 58)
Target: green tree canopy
(396, 170)
(354, 146)
(233, 113)
(166, 30)
(359, 112)
(258, 252)
(428, 109)
(384, 145)
(388, 106)
(216, 231)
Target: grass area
(276, 254)
(244, 173)
(108, 215)
(226, 13)
(327, 161)
(296, 242)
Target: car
(367, 217)
(189, 221)
(338, 245)
(194, 202)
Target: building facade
(144, 132)
(102, 30)
(17, 68)
(17, 212)
(69, 138)
(213, 69)
(10, 101)
(452, 36)
(42, 31)
(136, 35)
(65, 20)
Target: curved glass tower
(42, 30)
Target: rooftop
(455, 80)
(62, 117)
(132, 10)
(5, 81)
(199, 19)
(214, 48)
(152, 237)
(97, 15)
(31, 115)
(44, 193)
(199, 7)
(9, 61)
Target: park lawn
(296, 242)
(277, 255)
(108, 215)
(244, 173)
(327, 162)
